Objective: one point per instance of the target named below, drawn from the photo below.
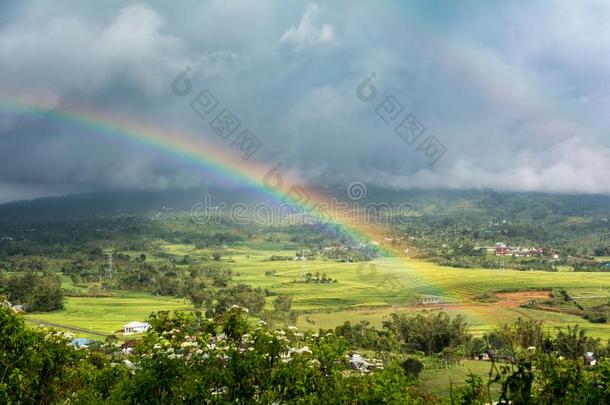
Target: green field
(366, 290)
(438, 382)
(109, 314)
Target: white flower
(188, 344)
(302, 350)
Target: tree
(364, 336)
(282, 303)
(36, 367)
(46, 295)
(243, 295)
(199, 293)
(38, 292)
(523, 333)
(429, 333)
(412, 367)
(573, 343)
(167, 281)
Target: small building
(501, 249)
(429, 300)
(136, 327)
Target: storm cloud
(517, 93)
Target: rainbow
(199, 152)
(504, 85)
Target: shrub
(184, 359)
(486, 297)
(428, 332)
(596, 317)
(412, 367)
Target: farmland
(94, 275)
(109, 314)
(367, 290)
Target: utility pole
(110, 266)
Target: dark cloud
(517, 93)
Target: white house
(136, 327)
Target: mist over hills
(476, 203)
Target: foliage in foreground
(186, 359)
(539, 377)
(535, 368)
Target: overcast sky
(517, 92)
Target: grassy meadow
(109, 314)
(364, 291)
